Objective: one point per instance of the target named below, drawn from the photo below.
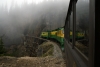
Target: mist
(19, 20)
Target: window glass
(82, 26)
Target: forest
(32, 19)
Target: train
(58, 35)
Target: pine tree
(2, 49)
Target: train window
(71, 27)
(63, 31)
(43, 33)
(82, 21)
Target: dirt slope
(56, 60)
(32, 62)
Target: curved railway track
(32, 39)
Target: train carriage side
(53, 34)
(60, 37)
(74, 55)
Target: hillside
(31, 62)
(51, 57)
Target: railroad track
(45, 40)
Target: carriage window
(71, 27)
(82, 21)
(63, 31)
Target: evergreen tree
(2, 49)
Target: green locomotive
(58, 35)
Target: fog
(21, 18)
(15, 19)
